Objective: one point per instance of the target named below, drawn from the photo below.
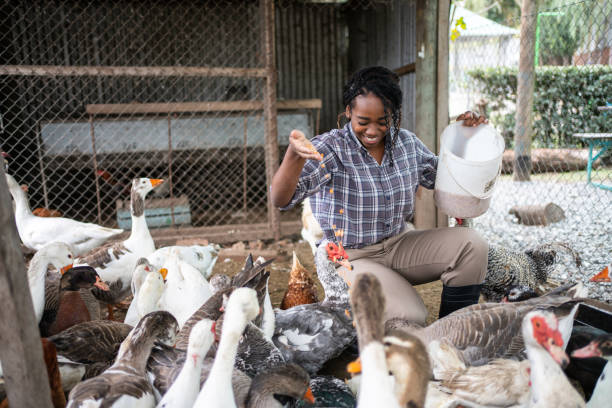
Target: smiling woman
(361, 181)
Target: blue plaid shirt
(354, 194)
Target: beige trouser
(457, 256)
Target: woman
(362, 179)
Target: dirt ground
(280, 268)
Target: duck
(55, 382)
(125, 383)
(368, 305)
(301, 288)
(87, 349)
(57, 254)
(185, 289)
(36, 232)
(71, 307)
(277, 384)
(311, 230)
(185, 388)
(486, 331)
(42, 211)
(328, 391)
(217, 391)
(311, 334)
(201, 257)
(142, 269)
(600, 346)
(115, 262)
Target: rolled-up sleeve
(428, 165)
(315, 174)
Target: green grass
(600, 175)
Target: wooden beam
(442, 118)
(425, 100)
(25, 375)
(62, 70)
(406, 69)
(213, 106)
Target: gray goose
(125, 383)
(271, 387)
(487, 331)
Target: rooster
(530, 268)
(301, 288)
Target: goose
(125, 382)
(71, 308)
(217, 391)
(486, 331)
(36, 232)
(301, 289)
(288, 380)
(115, 263)
(57, 254)
(368, 305)
(185, 289)
(141, 271)
(185, 388)
(311, 334)
(86, 349)
(201, 257)
(601, 346)
(311, 230)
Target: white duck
(115, 263)
(186, 289)
(368, 305)
(601, 346)
(311, 230)
(217, 392)
(201, 257)
(147, 288)
(186, 387)
(36, 232)
(125, 384)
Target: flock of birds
(192, 340)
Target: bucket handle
(479, 196)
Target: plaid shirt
(352, 193)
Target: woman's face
(368, 120)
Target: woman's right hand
(302, 146)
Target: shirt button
(388, 197)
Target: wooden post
(270, 109)
(525, 86)
(425, 100)
(442, 97)
(25, 375)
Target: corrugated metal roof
(479, 26)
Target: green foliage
(565, 101)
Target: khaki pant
(457, 256)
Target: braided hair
(383, 83)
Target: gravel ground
(587, 227)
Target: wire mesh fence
(559, 163)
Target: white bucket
(469, 163)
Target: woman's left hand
(471, 118)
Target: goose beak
(590, 350)
(308, 396)
(65, 269)
(163, 272)
(101, 284)
(156, 182)
(603, 276)
(354, 367)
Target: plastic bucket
(469, 164)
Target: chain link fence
(556, 182)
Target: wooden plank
(215, 106)
(270, 110)
(425, 100)
(442, 114)
(61, 70)
(405, 69)
(25, 374)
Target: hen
(301, 288)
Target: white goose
(311, 230)
(147, 288)
(36, 232)
(185, 388)
(186, 289)
(242, 307)
(201, 257)
(115, 263)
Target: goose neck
(601, 395)
(140, 230)
(136, 349)
(22, 206)
(221, 371)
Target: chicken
(530, 268)
(301, 288)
